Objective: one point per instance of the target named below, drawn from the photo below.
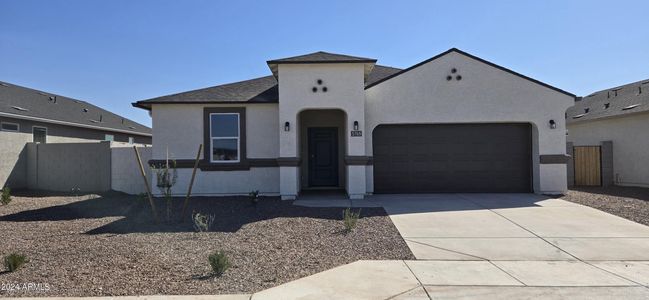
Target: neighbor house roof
(622, 100)
(25, 103)
(258, 90)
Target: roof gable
(474, 58)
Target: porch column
(356, 161)
(288, 161)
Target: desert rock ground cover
(628, 202)
(108, 244)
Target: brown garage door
(426, 158)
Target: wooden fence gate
(588, 165)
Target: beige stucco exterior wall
(630, 137)
(485, 94)
(345, 91)
(179, 128)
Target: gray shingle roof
(321, 57)
(21, 101)
(258, 90)
(627, 99)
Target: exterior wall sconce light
(287, 126)
(355, 125)
(553, 124)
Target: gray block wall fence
(89, 167)
(66, 166)
(608, 177)
(570, 150)
(125, 172)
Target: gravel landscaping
(628, 202)
(100, 245)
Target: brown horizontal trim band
(548, 159)
(289, 161)
(358, 160)
(209, 166)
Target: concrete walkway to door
(489, 246)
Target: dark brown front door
(323, 156)
(427, 158)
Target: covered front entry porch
(323, 165)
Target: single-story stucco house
(452, 123)
(614, 124)
(33, 116)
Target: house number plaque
(357, 133)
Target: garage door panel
(452, 158)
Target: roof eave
(273, 64)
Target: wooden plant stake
(146, 183)
(191, 182)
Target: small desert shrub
(350, 219)
(5, 198)
(219, 263)
(202, 223)
(14, 261)
(254, 197)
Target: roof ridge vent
(632, 106)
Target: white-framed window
(109, 137)
(39, 134)
(6, 126)
(131, 140)
(225, 144)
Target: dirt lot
(108, 245)
(628, 202)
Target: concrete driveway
(512, 227)
(490, 246)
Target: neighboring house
(28, 115)
(615, 124)
(452, 123)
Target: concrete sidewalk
(469, 280)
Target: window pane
(225, 125)
(225, 149)
(39, 135)
(9, 127)
(109, 137)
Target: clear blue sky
(112, 53)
